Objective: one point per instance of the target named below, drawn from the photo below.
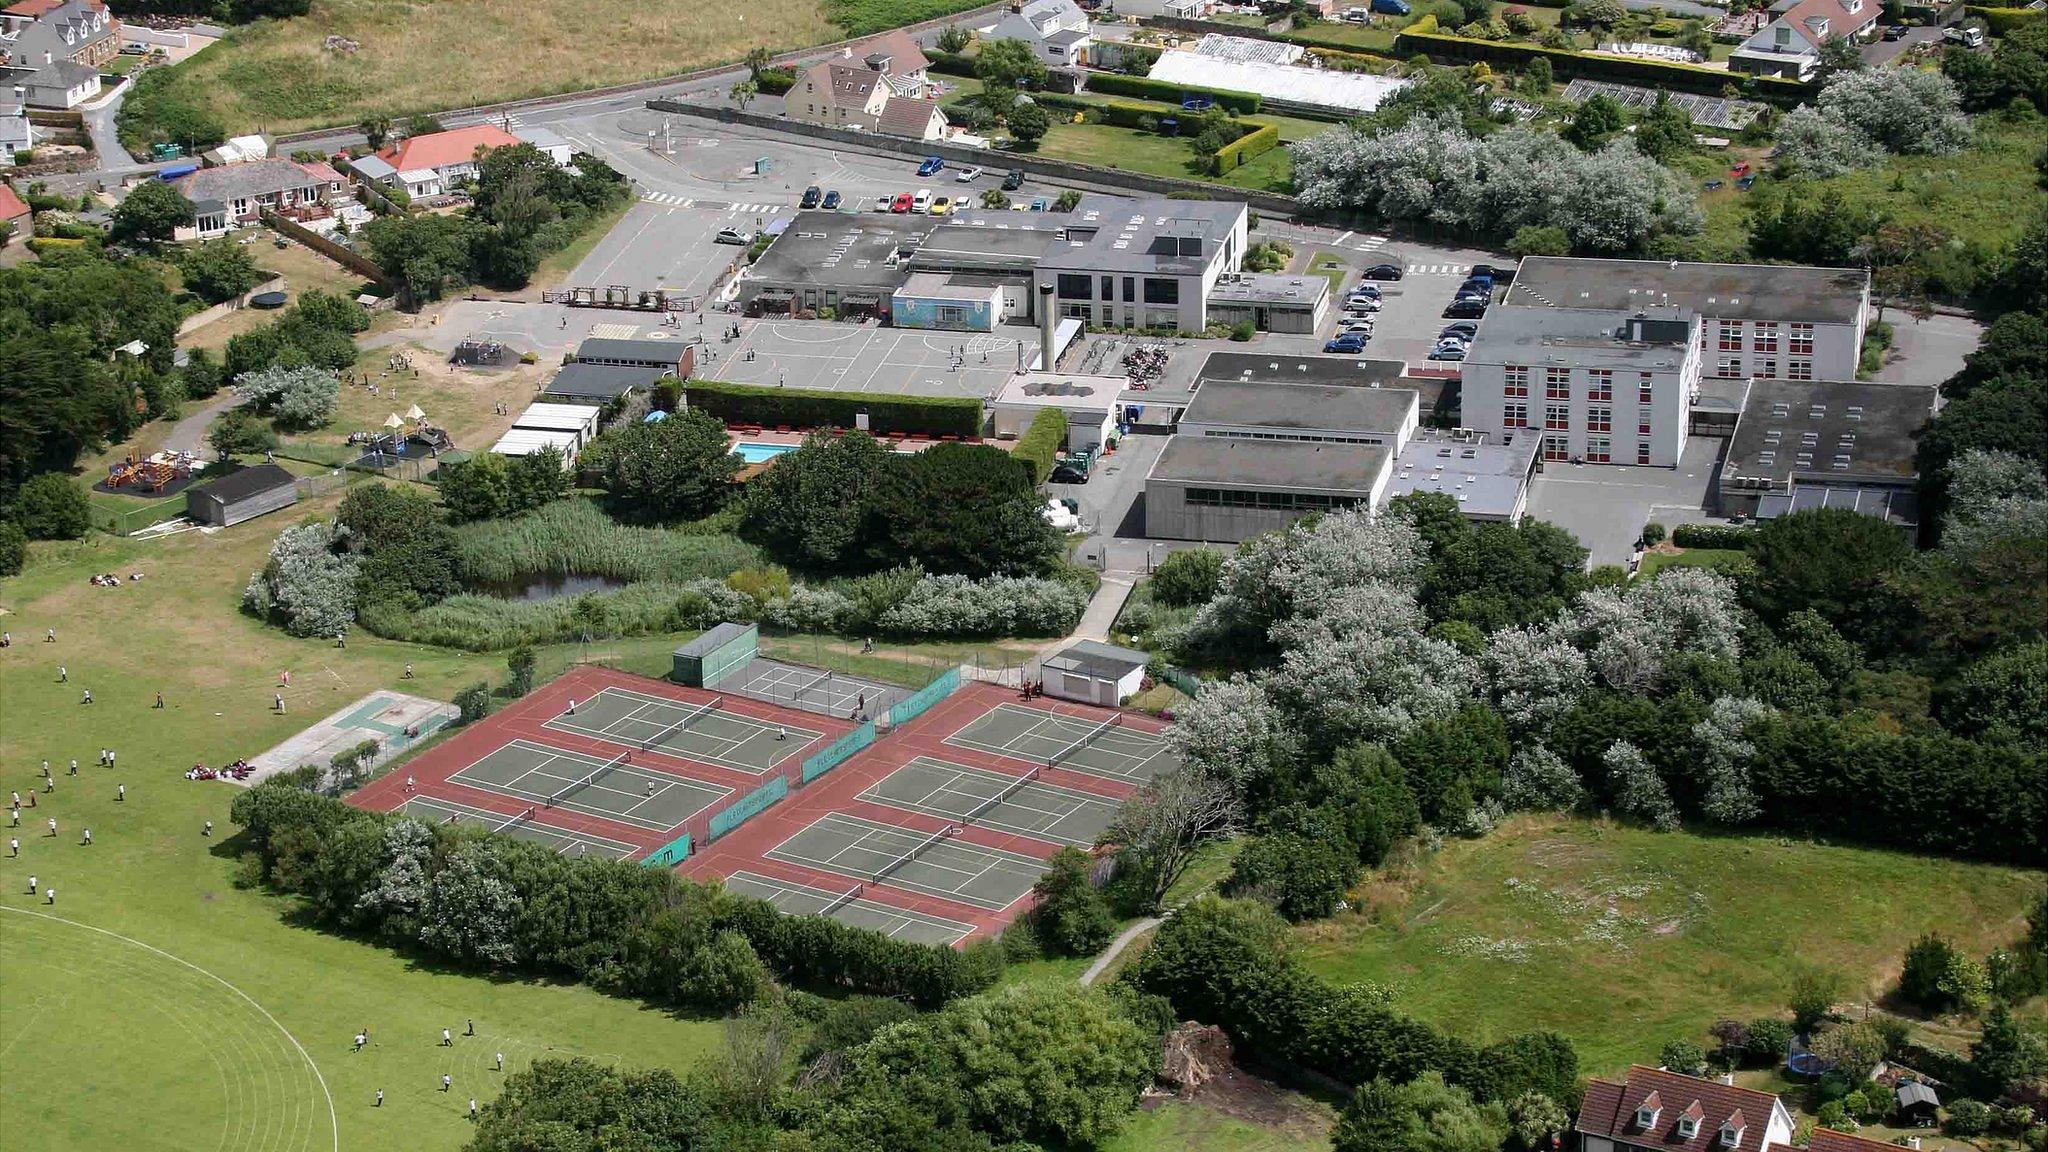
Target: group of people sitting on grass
(239, 770)
(109, 580)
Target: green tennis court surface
(993, 800)
(551, 777)
(860, 849)
(562, 840)
(1114, 752)
(804, 900)
(691, 731)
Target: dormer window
(1688, 1127)
(1646, 1117)
(1731, 1135)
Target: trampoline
(268, 300)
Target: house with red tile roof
(434, 163)
(1789, 46)
(1657, 1110)
(13, 211)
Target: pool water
(760, 453)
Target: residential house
(238, 194)
(550, 143)
(14, 212)
(1057, 30)
(1656, 1110)
(878, 85)
(16, 133)
(1829, 1140)
(1789, 46)
(53, 49)
(435, 163)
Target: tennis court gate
(711, 656)
(1007, 675)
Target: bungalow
(1829, 1140)
(878, 85)
(433, 164)
(1789, 46)
(1657, 1110)
(15, 214)
(239, 193)
(1057, 30)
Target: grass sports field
(1623, 939)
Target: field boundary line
(333, 1123)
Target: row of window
(1557, 384)
(1730, 368)
(1799, 337)
(1105, 315)
(1081, 286)
(1267, 501)
(1558, 418)
(1599, 450)
(1293, 437)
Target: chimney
(1728, 1078)
(1046, 324)
(1017, 6)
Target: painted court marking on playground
(622, 716)
(1036, 736)
(804, 900)
(1045, 811)
(623, 793)
(565, 842)
(950, 869)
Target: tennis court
(562, 840)
(804, 900)
(705, 732)
(914, 861)
(1108, 749)
(1017, 804)
(611, 789)
(819, 690)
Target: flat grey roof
(976, 243)
(939, 286)
(1120, 234)
(601, 381)
(1336, 407)
(246, 482)
(1827, 431)
(1108, 661)
(1269, 288)
(1283, 465)
(1564, 336)
(1487, 480)
(1300, 369)
(653, 351)
(717, 637)
(832, 250)
(1730, 291)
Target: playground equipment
(478, 352)
(621, 296)
(402, 438)
(152, 475)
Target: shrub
(1187, 577)
(1071, 917)
(997, 606)
(817, 408)
(294, 397)
(1303, 878)
(576, 538)
(13, 548)
(1967, 1118)
(1653, 534)
(1042, 443)
(1683, 1056)
(1768, 1041)
(51, 507)
(307, 585)
(1245, 149)
(1729, 536)
(473, 702)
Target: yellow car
(942, 206)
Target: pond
(549, 586)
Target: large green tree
(1834, 562)
(1007, 65)
(152, 212)
(674, 469)
(429, 254)
(811, 508)
(961, 508)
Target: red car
(901, 203)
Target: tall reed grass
(575, 538)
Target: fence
(128, 521)
(920, 701)
(670, 854)
(1183, 681)
(836, 753)
(749, 806)
(346, 257)
(225, 308)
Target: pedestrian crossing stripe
(668, 198)
(1438, 269)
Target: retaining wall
(226, 307)
(346, 257)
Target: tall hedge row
(1441, 46)
(1122, 113)
(1146, 88)
(2005, 21)
(950, 63)
(820, 408)
(1041, 443)
(1247, 147)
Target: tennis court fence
(747, 807)
(921, 701)
(838, 752)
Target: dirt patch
(1200, 1068)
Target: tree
(1897, 255)
(1853, 1048)
(469, 909)
(478, 488)
(219, 270)
(1067, 201)
(1536, 673)
(1684, 1056)
(954, 38)
(1837, 56)
(1905, 111)
(810, 511)
(2003, 697)
(1454, 761)
(1595, 122)
(1071, 916)
(1007, 65)
(1028, 124)
(1304, 877)
(306, 584)
(52, 507)
(429, 254)
(1936, 977)
(240, 432)
(1540, 239)
(1537, 1119)
(1833, 561)
(743, 93)
(1813, 997)
(1638, 790)
(2007, 1053)
(294, 397)
(579, 1105)
(967, 509)
(1664, 132)
(375, 129)
(1159, 829)
(1537, 780)
(1187, 577)
(674, 469)
(152, 213)
(1423, 1115)
(1724, 758)
(13, 548)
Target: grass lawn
(462, 401)
(275, 75)
(1622, 939)
(303, 270)
(1193, 1124)
(130, 1047)
(1656, 562)
(1332, 268)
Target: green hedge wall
(1713, 536)
(775, 81)
(817, 408)
(950, 63)
(1677, 77)
(2004, 21)
(1041, 443)
(1121, 113)
(1117, 84)
(1249, 146)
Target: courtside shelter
(710, 657)
(1094, 673)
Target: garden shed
(1917, 1103)
(1094, 673)
(702, 661)
(242, 495)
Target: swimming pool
(760, 453)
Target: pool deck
(776, 438)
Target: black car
(1465, 328)
(1465, 310)
(831, 201)
(811, 196)
(1383, 272)
(1895, 31)
(1014, 180)
(1497, 275)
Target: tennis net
(1091, 737)
(1009, 790)
(517, 818)
(696, 715)
(919, 849)
(843, 899)
(824, 677)
(585, 781)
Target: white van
(921, 202)
(1968, 35)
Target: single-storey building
(551, 143)
(669, 357)
(1918, 1103)
(527, 441)
(1090, 403)
(948, 303)
(1301, 413)
(1273, 303)
(1094, 673)
(432, 164)
(581, 383)
(1229, 490)
(580, 420)
(1826, 444)
(1490, 481)
(242, 495)
(240, 193)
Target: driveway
(1928, 351)
(1880, 52)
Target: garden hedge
(1041, 443)
(819, 408)
(950, 63)
(1146, 88)
(1713, 536)
(774, 81)
(1121, 113)
(1565, 63)
(2005, 21)
(1249, 146)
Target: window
(1599, 449)
(1801, 340)
(1730, 338)
(1600, 385)
(1731, 1135)
(1162, 290)
(1515, 415)
(1688, 1127)
(1554, 448)
(1081, 312)
(1267, 501)
(1645, 388)
(1557, 416)
(1557, 383)
(1728, 367)
(1766, 336)
(1600, 420)
(1799, 370)
(1643, 425)
(1642, 453)
(1515, 380)
(1130, 289)
(952, 314)
(1765, 370)
(1078, 287)
(1109, 288)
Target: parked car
(812, 195)
(1465, 310)
(1358, 16)
(922, 202)
(1039, 205)
(1354, 324)
(1465, 328)
(1347, 344)
(733, 236)
(968, 175)
(1447, 352)
(1014, 180)
(1390, 7)
(1492, 272)
(941, 205)
(831, 201)
(1372, 290)
(882, 202)
(931, 165)
(1895, 31)
(901, 203)
(1383, 272)
(1068, 472)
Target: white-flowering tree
(308, 585)
(1535, 673)
(1632, 636)
(1618, 198)
(1638, 790)
(1725, 752)
(1907, 111)
(1810, 144)
(1372, 685)
(401, 887)
(1993, 495)
(1274, 577)
(1375, 607)
(1230, 732)
(1537, 780)
(294, 397)
(469, 908)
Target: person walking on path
(159, 699)
(380, 1098)
(87, 842)
(447, 1082)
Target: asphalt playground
(1019, 804)
(704, 733)
(805, 900)
(1108, 750)
(546, 777)
(563, 841)
(935, 864)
